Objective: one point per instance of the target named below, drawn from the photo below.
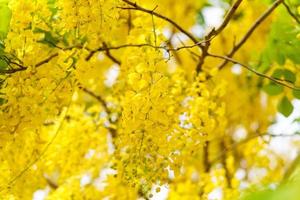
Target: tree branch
(23, 68)
(227, 19)
(291, 12)
(103, 103)
(152, 12)
(214, 32)
(228, 59)
(251, 30)
(111, 57)
(166, 48)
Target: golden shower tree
(119, 99)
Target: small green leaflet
(296, 94)
(289, 76)
(285, 107)
(5, 16)
(282, 42)
(273, 89)
(284, 74)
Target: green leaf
(3, 64)
(278, 73)
(296, 94)
(48, 39)
(285, 107)
(282, 42)
(289, 76)
(201, 19)
(5, 16)
(273, 89)
(261, 195)
(2, 101)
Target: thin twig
(166, 48)
(152, 12)
(227, 19)
(291, 12)
(214, 32)
(206, 161)
(111, 57)
(23, 68)
(228, 59)
(251, 30)
(104, 105)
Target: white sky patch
(240, 134)
(85, 180)
(112, 75)
(236, 69)
(213, 16)
(285, 125)
(89, 154)
(167, 32)
(219, 3)
(256, 174)
(171, 173)
(110, 145)
(240, 174)
(162, 194)
(100, 182)
(40, 194)
(184, 123)
(101, 56)
(216, 194)
(178, 38)
(198, 31)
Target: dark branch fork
(214, 32)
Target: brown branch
(291, 12)
(51, 183)
(152, 12)
(105, 48)
(97, 97)
(228, 59)
(214, 32)
(227, 19)
(206, 161)
(227, 172)
(23, 68)
(251, 30)
(129, 22)
(104, 105)
(108, 54)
